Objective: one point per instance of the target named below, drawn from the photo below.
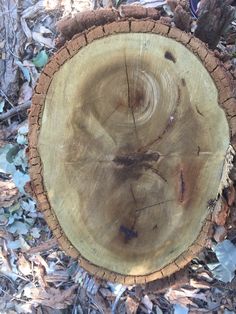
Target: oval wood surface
(132, 144)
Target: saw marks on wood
(132, 143)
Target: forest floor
(36, 276)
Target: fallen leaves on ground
(52, 297)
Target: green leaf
(24, 70)
(5, 166)
(14, 208)
(20, 180)
(35, 232)
(23, 129)
(41, 59)
(11, 154)
(180, 309)
(226, 255)
(19, 227)
(2, 104)
(20, 243)
(28, 206)
(22, 135)
(21, 139)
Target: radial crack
(153, 205)
(168, 125)
(129, 100)
(182, 186)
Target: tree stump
(129, 128)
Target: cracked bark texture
(214, 17)
(131, 181)
(10, 37)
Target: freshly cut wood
(127, 142)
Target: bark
(68, 27)
(214, 17)
(11, 37)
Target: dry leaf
(199, 284)
(131, 306)
(5, 267)
(231, 195)
(39, 274)
(54, 298)
(23, 265)
(147, 303)
(8, 193)
(25, 93)
(220, 233)
(106, 293)
(44, 30)
(182, 296)
(46, 41)
(220, 212)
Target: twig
(43, 247)
(114, 306)
(6, 98)
(14, 111)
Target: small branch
(14, 111)
(48, 245)
(114, 306)
(6, 98)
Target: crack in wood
(169, 124)
(199, 112)
(147, 166)
(198, 150)
(182, 186)
(129, 100)
(135, 213)
(153, 205)
(108, 117)
(133, 196)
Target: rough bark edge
(82, 21)
(226, 88)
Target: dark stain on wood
(198, 150)
(134, 159)
(183, 82)
(138, 98)
(199, 112)
(182, 186)
(170, 56)
(128, 233)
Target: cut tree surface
(128, 139)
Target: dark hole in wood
(170, 56)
